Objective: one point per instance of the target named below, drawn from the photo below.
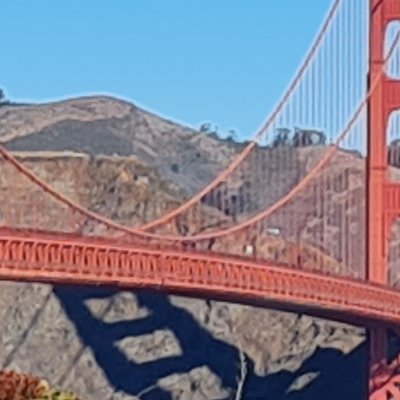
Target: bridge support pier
(383, 197)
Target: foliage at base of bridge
(385, 381)
(18, 386)
(389, 391)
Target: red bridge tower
(383, 199)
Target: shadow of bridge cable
(340, 376)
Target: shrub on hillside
(17, 386)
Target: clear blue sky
(224, 61)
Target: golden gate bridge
(334, 225)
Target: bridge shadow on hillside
(340, 377)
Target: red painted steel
(391, 9)
(376, 176)
(383, 196)
(41, 256)
(146, 258)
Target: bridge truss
(322, 237)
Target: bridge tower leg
(383, 197)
